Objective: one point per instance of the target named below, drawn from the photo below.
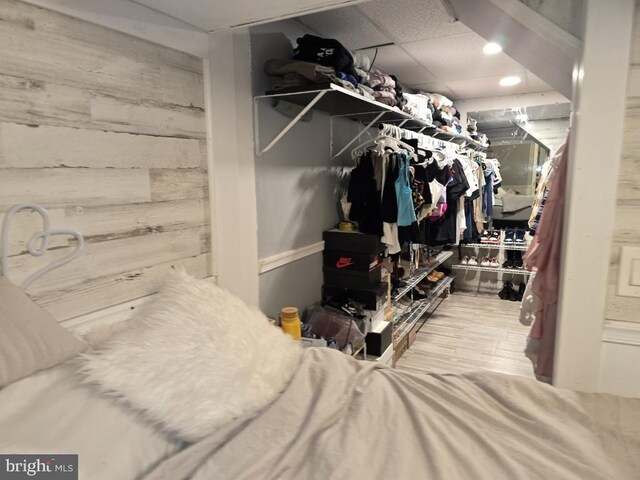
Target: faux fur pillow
(195, 359)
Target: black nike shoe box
(373, 298)
(352, 278)
(355, 242)
(351, 261)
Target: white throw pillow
(195, 359)
(30, 338)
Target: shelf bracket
(290, 125)
(362, 132)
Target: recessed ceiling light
(491, 48)
(510, 81)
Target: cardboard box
(412, 336)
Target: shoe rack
(479, 268)
(405, 328)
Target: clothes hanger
(358, 152)
(38, 244)
(393, 142)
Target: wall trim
(107, 316)
(281, 259)
(627, 333)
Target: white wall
(297, 182)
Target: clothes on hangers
(406, 210)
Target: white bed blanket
(344, 419)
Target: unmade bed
(200, 386)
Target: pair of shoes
(419, 294)
(485, 237)
(472, 262)
(434, 277)
(438, 274)
(514, 235)
(508, 292)
(514, 259)
(465, 260)
(518, 236)
(490, 262)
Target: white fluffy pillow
(195, 359)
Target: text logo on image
(43, 466)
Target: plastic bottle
(290, 322)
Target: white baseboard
(620, 359)
(276, 261)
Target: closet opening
(403, 163)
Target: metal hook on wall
(38, 244)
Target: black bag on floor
(325, 51)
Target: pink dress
(543, 257)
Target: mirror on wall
(522, 139)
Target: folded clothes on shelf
(294, 73)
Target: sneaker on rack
(473, 262)
(494, 236)
(486, 262)
(494, 263)
(438, 274)
(465, 260)
(510, 235)
(419, 295)
(517, 260)
(485, 237)
(509, 261)
(519, 236)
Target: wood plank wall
(107, 132)
(627, 221)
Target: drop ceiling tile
(435, 87)
(395, 61)
(460, 57)
(489, 87)
(347, 25)
(412, 20)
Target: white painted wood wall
(107, 132)
(627, 217)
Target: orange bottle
(290, 322)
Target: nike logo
(344, 262)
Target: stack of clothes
(384, 88)
(445, 115)
(315, 60)
(362, 65)
(419, 105)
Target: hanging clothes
(543, 257)
(389, 204)
(406, 211)
(363, 196)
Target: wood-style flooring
(470, 332)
